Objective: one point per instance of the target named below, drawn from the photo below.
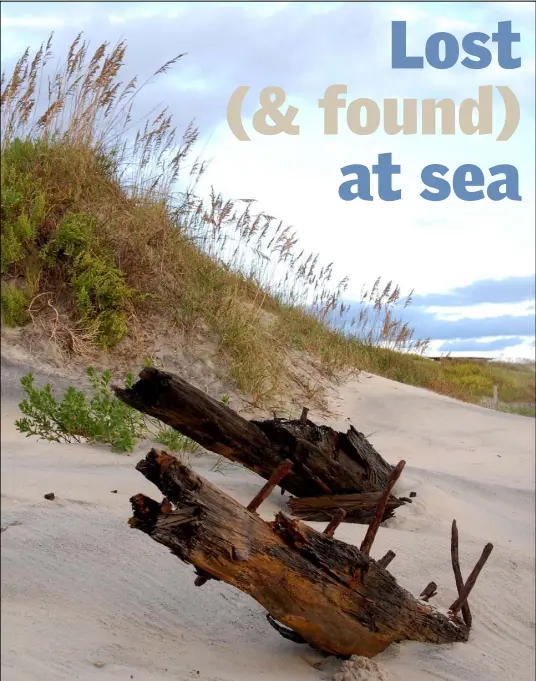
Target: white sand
(86, 597)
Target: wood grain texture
(327, 592)
(323, 461)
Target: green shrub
(520, 409)
(102, 418)
(176, 442)
(71, 240)
(22, 202)
(101, 294)
(14, 304)
(98, 287)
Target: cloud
(474, 345)
(230, 46)
(294, 45)
(489, 312)
(429, 325)
(258, 45)
(509, 290)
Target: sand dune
(86, 597)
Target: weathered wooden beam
(360, 508)
(323, 461)
(327, 592)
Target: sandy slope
(86, 597)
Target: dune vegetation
(104, 231)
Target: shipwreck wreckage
(315, 588)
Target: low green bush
(14, 305)
(22, 202)
(101, 418)
(101, 295)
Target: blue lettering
(452, 50)
(428, 176)
(361, 184)
(399, 60)
(470, 46)
(460, 182)
(385, 171)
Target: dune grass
(103, 228)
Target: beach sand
(86, 597)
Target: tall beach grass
(105, 232)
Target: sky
(471, 264)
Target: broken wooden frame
(315, 588)
(359, 507)
(325, 463)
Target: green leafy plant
(520, 409)
(121, 235)
(225, 399)
(176, 442)
(22, 202)
(101, 418)
(100, 292)
(14, 303)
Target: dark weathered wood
(374, 526)
(303, 417)
(360, 508)
(387, 559)
(324, 461)
(429, 591)
(268, 488)
(327, 592)
(471, 580)
(334, 523)
(466, 611)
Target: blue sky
(471, 264)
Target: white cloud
(450, 24)
(524, 350)
(427, 246)
(419, 244)
(32, 21)
(482, 311)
